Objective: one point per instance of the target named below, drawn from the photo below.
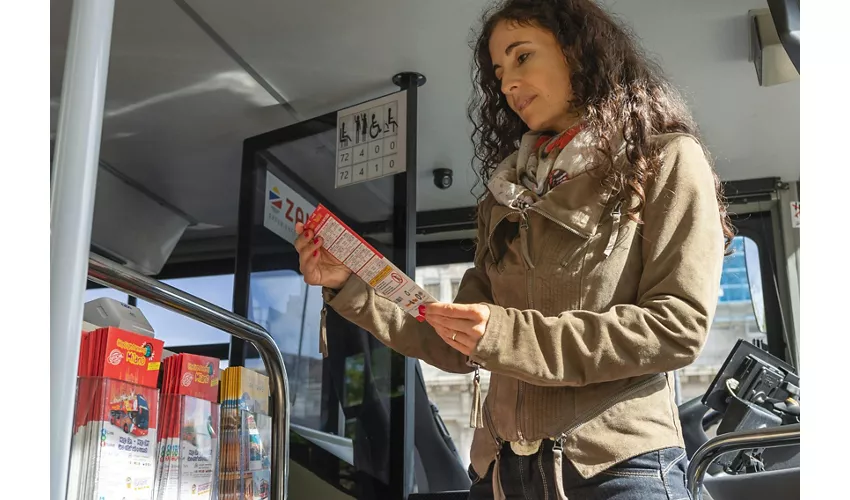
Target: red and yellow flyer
(113, 450)
(366, 262)
(188, 445)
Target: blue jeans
(656, 475)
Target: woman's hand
(318, 266)
(459, 325)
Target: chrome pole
(770, 437)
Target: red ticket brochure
(367, 263)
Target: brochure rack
(188, 449)
(113, 451)
(108, 273)
(245, 463)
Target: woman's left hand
(459, 325)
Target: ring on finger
(454, 336)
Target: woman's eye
(523, 57)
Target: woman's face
(535, 78)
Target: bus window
(290, 311)
(451, 393)
(177, 330)
(736, 318)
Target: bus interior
(218, 132)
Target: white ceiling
(178, 106)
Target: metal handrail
(770, 437)
(113, 275)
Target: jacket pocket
(646, 465)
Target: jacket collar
(578, 202)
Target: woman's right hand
(318, 266)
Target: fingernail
(422, 309)
(420, 318)
(316, 241)
(315, 253)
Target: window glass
(178, 330)
(290, 311)
(451, 393)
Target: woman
(600, 247)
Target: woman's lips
(524, 103)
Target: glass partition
(351, 406)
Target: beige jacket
(589, 313)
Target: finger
(299, 228)
(303, 239)
(444, 333)
(311, 246)
(464, 311)
(461, 325)
(457, 346)
(457, 340)
(310, 269)
(308, 258)
(463, 349)
(330, 257)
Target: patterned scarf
(542, 163)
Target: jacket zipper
(491, 427)
(519, 399)
(605, 404)
(559, 223)
(530, 299)
(616, 214)
(523, 236)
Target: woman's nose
(510, 84)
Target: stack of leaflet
(189, 416)
(245, 465)
(115, 420)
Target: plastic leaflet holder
(115, 420)
(245, 462)
(188, 440)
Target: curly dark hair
(616, 87)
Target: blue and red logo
(275, 200)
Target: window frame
(758, 227)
